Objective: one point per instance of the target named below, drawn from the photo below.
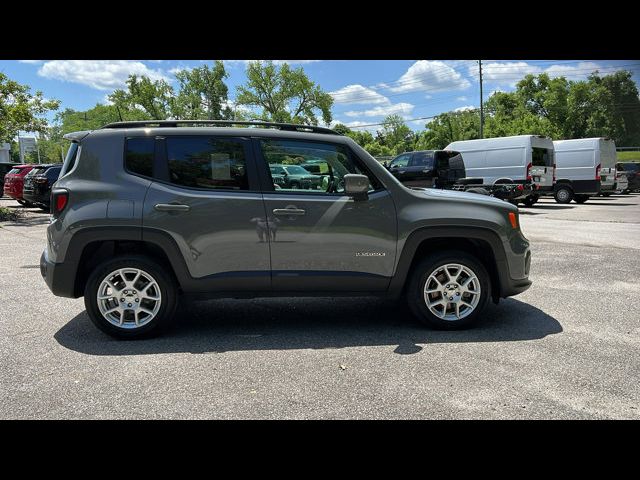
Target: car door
(321, 239)
(206, 197)
(398, 167)
(420, 170)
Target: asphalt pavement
(569, 347)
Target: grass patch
(8, 215)
(628, 156)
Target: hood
(468, 197)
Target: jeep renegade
(144, 212)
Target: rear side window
(207, 162)
(71, 158)
(541, 157)
(422, 159)
(139, 155)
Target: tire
(163, 313)
(580, 198)
(22, 202)
(530, 200)
(563, 194)
(481, 191)
(422, 273)
(607, 194)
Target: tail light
(598, 172)
(520, 187)
(59, 201)
(529, 167)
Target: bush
(8, 215)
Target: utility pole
(481, 107)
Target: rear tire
(580, 198)
(607, 194)
(430, 281)
(563, 194)
(160, 285)
(530, 200)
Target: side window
(401, 161)
(207, 162)
(311, 167)
(422, 160)
(139, 155)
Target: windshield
(296, 170)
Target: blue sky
(364, 91)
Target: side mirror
(356, 186)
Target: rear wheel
(607, 194)
(130, 297)
(581, 198)
(563, 194)
(449, 290)
(530, 200)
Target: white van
(517, 159)
(584, 167)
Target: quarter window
(207, 162)
(311, 167)
(401, 161)
(139, 155)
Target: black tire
(563, 194)
(168, 291)
(530, 200)
(22, 202)
(479, 190)
(580, 198)
(607, 194)
(420, 275)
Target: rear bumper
(59, 277)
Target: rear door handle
(172, 207)
(288, 211)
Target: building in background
(5, 152)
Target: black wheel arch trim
(415, 239)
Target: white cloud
(358, 94)
(428, 96)
(106, 101)
(432, 76)
(31, 61)
(382, 111)
(233, 63)
(508, 74)
(98, 74)
(465, 108)
(461, 99)
(582, 69)
(175, 70)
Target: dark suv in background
(428, 168)
(38, 182)
(144, 212)
(632, 171)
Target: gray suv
(144, 212)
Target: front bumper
(59, 277)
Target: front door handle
(288, 211)
(172, 207)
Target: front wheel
(130, 297)
(449, 290)
(581, 198)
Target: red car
(14, 181)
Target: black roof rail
(290, 127)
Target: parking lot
(569, 347)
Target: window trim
(266, 180)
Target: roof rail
(290, 127)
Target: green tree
(284, 94)
(20, 110)
(396, 135)
(155, 97)
(449, 127)
(203, 94)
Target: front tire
(130, 297)
(581, 198)
(530, 200)
(449, 290)
(563, 194)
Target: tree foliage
(284, 94)
(203, 95)
(20, 110)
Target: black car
(37, 184)
(632, 170)
(428, 168)
(4, 169)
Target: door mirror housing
(356, 186)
